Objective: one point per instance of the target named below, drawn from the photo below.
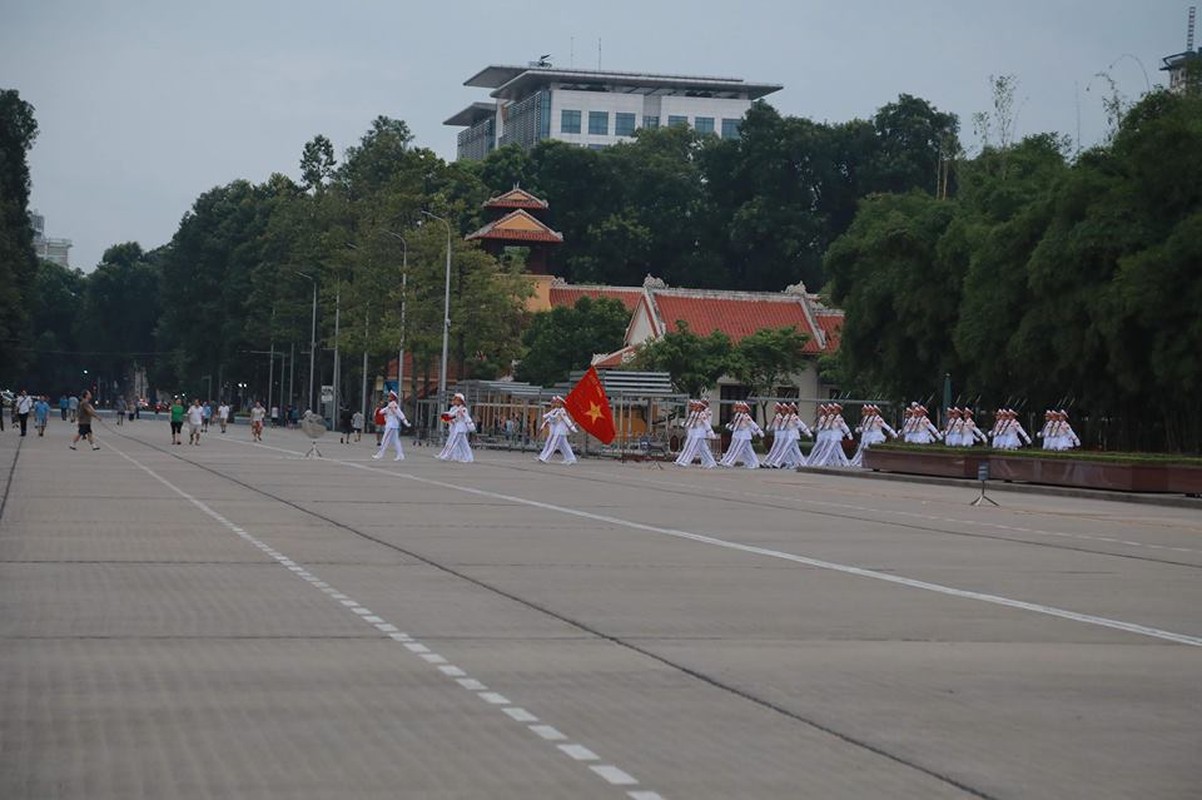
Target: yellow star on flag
(594, 412)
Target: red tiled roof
(517, 226)
(515, 198)
(831, 323)
(568, 295)
(617, 358)
(737, 317)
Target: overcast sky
(143, 105)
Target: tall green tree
(565, 339)
(18, 263)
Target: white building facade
(594, 108)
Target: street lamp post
(446, 313)
(400, 353)
(312, 334)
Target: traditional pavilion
(516, 224)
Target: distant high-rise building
(55, 250)
(595, 108)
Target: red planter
(1081, 473)
(944, 463)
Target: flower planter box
(1080, 472)
(943, 463)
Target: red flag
(589, 406)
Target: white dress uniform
(776, 425)
(459, 425)
(558, 423)
(873, 430)
(792, 430)
(393, 419)
(742, 427)
(829, 432)
(698, 433)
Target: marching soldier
(558, 423)
(873, 430)
(698, 433)
(459, 425)
(742, 428)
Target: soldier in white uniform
(920, 428)
(558, 424)
(829, 431)
(459, 424)
(698, 425)
(394, 418)
(776, 426)
(793, 428)
(1008, 433)
(1063, 436)
(873, 430)
(742, 428)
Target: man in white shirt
(257, 415)
(223, 415)
(24, 405)
(196, 418)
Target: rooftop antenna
(598, 54)
(571, 52)
(1189, 29)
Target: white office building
(594, 108)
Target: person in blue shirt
(62, 406)
(41, 414)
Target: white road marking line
(547, 732)
(373, 619)
(452, 671)
(644, 796)
(579, 752)
(614, 775)
(609, 773)
(520, 714)
(494, 698)
(847, 569)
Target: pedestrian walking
(177, 420)
(23, 407)
(257, 415)
(742, 428)
(120, 408)
(85, 412)
(73, 407)
(63, 403)
(41, 414)
(196, 418)
(223, 415)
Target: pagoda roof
(517, 225)
(516, 197)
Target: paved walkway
(233, 620)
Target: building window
(598, 123)
(730, 129)
(623, 124)
(704, 124)
(674, 120)
(650, 122)
(569, 121)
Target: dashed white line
(611, 774)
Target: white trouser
(740, 450)
(557, 441)
(695, 447)
(391, 436)
(777, 451)
(457, 448)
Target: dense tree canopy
(1044, 282)
(18, 264)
